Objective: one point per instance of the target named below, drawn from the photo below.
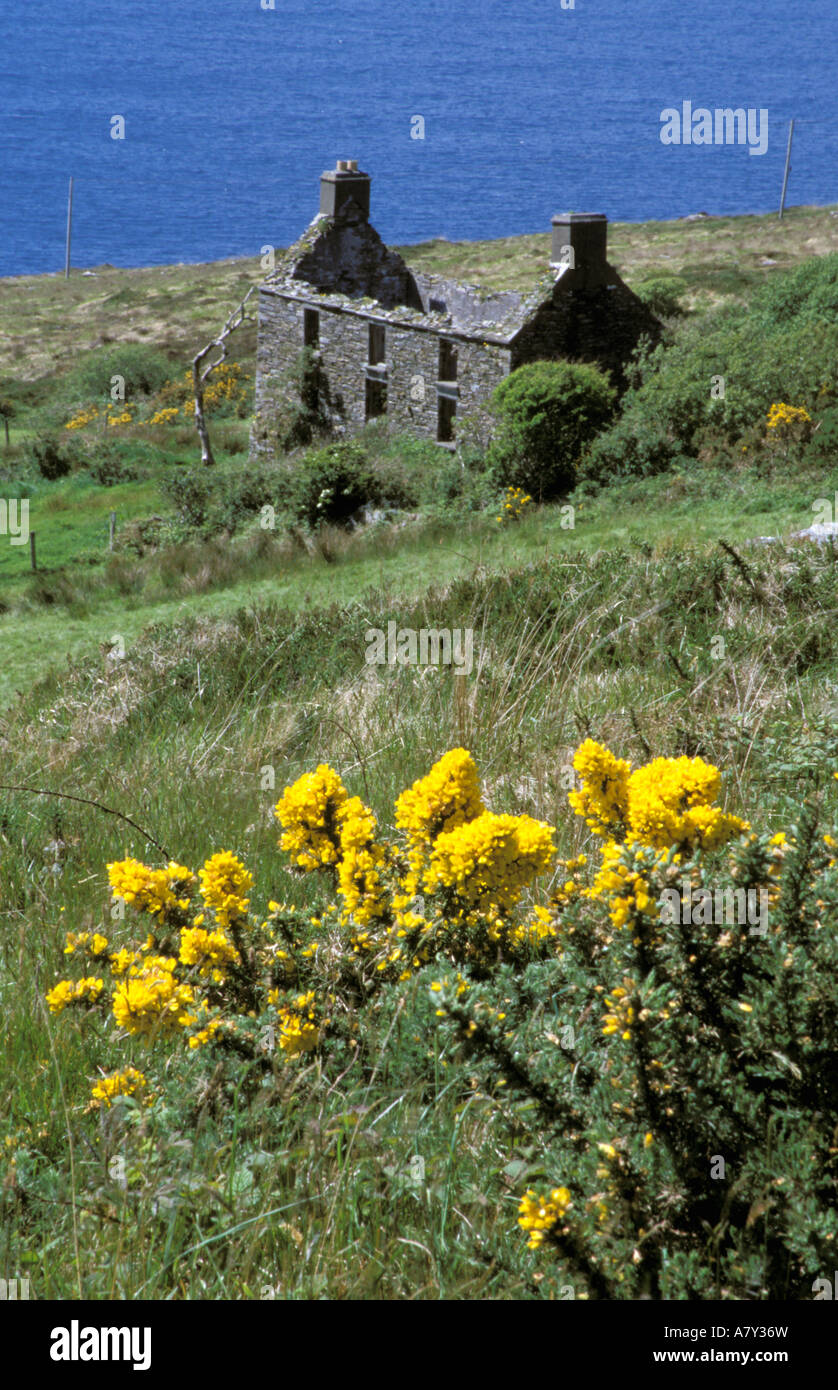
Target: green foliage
(823, 445)
(696, 1140)
(144, 370)
(806, 295)
(662, 294)
(329, 485)
(760, 357)
(53, 456)
(111, 462)
(191, 491)
(301, 414)
(546, 412)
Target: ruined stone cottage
(416, 348)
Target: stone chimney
(579, 241)
(338, 185)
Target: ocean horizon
(198, 133)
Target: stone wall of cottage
(601, 326)
(411, 355)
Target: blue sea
(232, 109)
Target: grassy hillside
(53, 333)
(310, 1192)
(455, 1052)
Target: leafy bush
(301, 412)
(546, 412)
(329, 485)
(52, 456)
(823, 445)
(662, 1029)
(191, 491)
(661, 295)
(143, 369)
(110, 464)
(677, 406)
(806, 295)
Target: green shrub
(546, 413)
(807, 294)
(143, 369)
(661, 295)
(191, 491)
(823, 446)
(110, 462)
(676, 408)
(328, 485)
(53, 456)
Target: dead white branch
(201, 373)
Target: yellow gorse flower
(152, 1001)
(85, 991)
(781, 415)
(540, 1215)
(224, 883)
(487, 862)
(120, 1083)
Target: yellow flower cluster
(119, 1083)
(781, 415)
(225, 384)
(361, 861)
(156, 891)
(623, 880)
(89, 413)
(165, 416)
(488, 861)
(326, 828)
(205, 1035)
(667, 802)
(310, 814)
(211, 951)
(85, 991)
(515, 503)
(670, 802)
(540, 1216)
(298, 1027)
(224, 883)
(622, 1015)
(449, 796)
(150, 1001)
(93, 944)
(603, 799)
(84, 417)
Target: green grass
(244, 666)
(53, 617)
(303, 1185)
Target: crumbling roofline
(387, 318)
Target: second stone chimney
(338, 185)
(579, 242)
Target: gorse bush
(807, 294)
(672, 1068)
(546, 412)
(723, 372)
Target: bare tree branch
(201, 373)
